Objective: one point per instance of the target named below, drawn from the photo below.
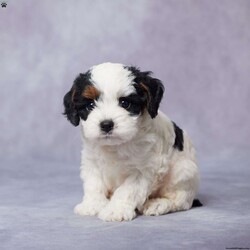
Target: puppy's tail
(197, 203)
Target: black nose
(107, 125)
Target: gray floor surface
(37, 200)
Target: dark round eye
(125, 104)
(90, 106)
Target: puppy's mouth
(107, 136)
(110, 139)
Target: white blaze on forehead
(112, 79)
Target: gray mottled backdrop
(199, 49)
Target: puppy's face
(110, 100)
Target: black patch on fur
(136, 103)
(178, 143)
(197, 203)
(69, 109)
(75, 105)
(148, 88)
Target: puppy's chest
(131, 156)
(119, 160)
(115, 168)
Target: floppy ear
(152, 88)
(69, 108)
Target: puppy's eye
(125, 104)
(90, 106)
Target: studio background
(200, 50)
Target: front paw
(91, 208)
(117, 212)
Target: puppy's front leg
(94, 198)
(131, 194)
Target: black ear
(154, 90)
(69, 109)
(152, 87)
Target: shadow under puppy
(134, 158)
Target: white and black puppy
(134, 158)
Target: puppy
(135, 159)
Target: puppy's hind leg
(157, 206)
(178, 194)
(184, 183)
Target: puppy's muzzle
(107, 126)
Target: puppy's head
(110, 100)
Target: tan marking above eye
(91, 93)
(145, 88)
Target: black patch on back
(197, 203)
(178, 143)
